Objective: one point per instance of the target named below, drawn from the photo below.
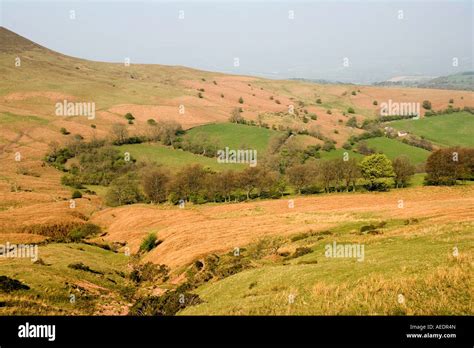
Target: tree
(168, 131)
(300, 176)
(64, 131)
(403, 169)
(350, 172)
(119, 134)
(236, 117)
(377, 169)
(190, 181)
(445, 166)
(123, 190)
(155, 185)
(250, 179)
(426, 104)
(326, 174)
(225, 182)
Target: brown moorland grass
(198, 230)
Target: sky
(348, 41)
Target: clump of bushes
(86, 230)
(149, 272)
(168, 304)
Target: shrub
(151, 122)
(451, 101)
(352, 122)
(375, 102)
(353, 93)
(329, 112)
(319, 101)
(200, 95)
(8, 284)
(300, 251)
(82, 267)
(347, 146)
(241, 100)
(149, 242)
(350, 110)
(128, 116)
(328, 145)
(64, 131)
(76, 194)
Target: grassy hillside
(455, 129)
(394, 148)
(417, 266)
(463, 80)
(52, 283)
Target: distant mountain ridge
(460, 81)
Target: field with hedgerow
(200, 193)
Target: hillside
(39, 150)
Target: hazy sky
(267, 42)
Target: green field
(455, 129)
(394, 148)
(172, 158)
(235, 136)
